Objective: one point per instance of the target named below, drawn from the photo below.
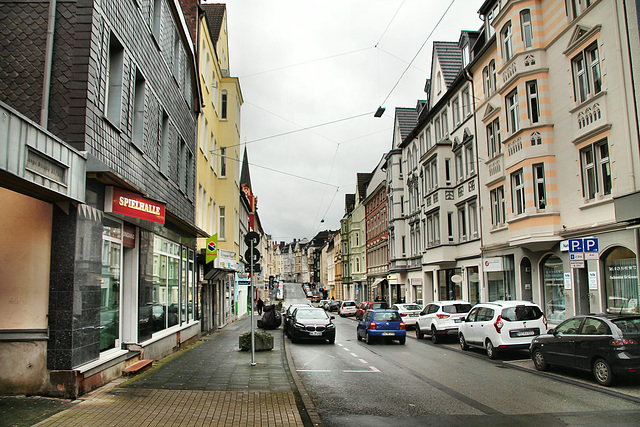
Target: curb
(307, 408)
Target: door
(561, 348)
(525, 279)
(467, 328)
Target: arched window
(621, 281)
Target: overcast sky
(312, 74)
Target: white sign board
(492, 264)
(593, 281)
(567, 280)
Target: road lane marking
(346, 349)
(313, 370)
(373, 369)
(363, 361)
(354, 355)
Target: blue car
(380, 324)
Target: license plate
(524, 333)
(457, 320)
(413, 315)
(387, 334)
(315, 334)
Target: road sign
(575, 245)
(576, 264)
(577, 256)
(252, 256)
(591, 244)
(591, 255)
(252, 237)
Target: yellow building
(218, 166)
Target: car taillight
(621, 342)
(544, 320)
(442, 316)
(402, 325)
(403, 314)
(372, 325)
(499, 324)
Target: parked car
(322, 303)
(605, 344)
(502, 325)
(312, 323)
(370, 305)
(408, 312)
(334, 305)
(378, 324)
(347, 308)
(440, 318)
(287, 316)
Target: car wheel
(602, 372)
(419, 334)
(491, 350)
(368, 339)
(539, 360)
(463, 343)
(358, 336)
(434, 335)
(332, 340)
(402, 340)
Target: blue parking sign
(575, 245)
(591, 244)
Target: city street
(420, 383)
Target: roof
(450, 59)
(245, 176)
(215, 15)
(407, 119)
(363, 181)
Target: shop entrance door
(583, 303)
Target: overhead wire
(389, 24)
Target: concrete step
(138, 367)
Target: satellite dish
(456, 278)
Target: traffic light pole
(253, 338)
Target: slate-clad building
(114, 84)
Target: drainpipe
(46, 81)
(633, 83)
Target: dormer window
(439, 82)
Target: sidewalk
(210, 383)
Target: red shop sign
(134, 205)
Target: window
(222, 234)
(517, 192)
(587, 75)
(450, 226)
(596, 170)
(436, 124)
(223, 162)
(138, 111)
(507, 42)
(497, 206)
(493, 77)
(486, 82)
(489, 20)
(432, 174)
(156, 18)
(459, 166)
(427, 137)
(466, 102)
(462, 223)
(113, 97)
(176, 56)
(469, 159)
(433, 229)
(455, 111)
(539, 189)
(182, 166)
(164, 145)
(527, 30)
(214, 153)
(533, 106)
(473, 219)
(223, 108)
(494, 146)
(447, 171)
(512, 111)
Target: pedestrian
(260, 304)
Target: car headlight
(298, 326)
(331, 326)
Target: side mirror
(332, 317)
(552, 331)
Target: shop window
(501, 284)
(449, 290)
(473, 281)
(110, 284)
(553, 280)
(621, 281)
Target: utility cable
(418, 52)
(390, 22)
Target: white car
(440, 318)
(501, 325)
(347, 308)
(408, 312)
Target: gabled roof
(349, 202)
(407, 119)
(363, 181)
(245, 176)
(450, 59)
(215, 15)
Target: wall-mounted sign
(492, 264)
(45, 167)
(134, 205)
(567, 281)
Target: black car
(605, 344)
(334, 305)
(287, 316)
(312, 323)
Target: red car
(370, 305)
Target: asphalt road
(420, 383)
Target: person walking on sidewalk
(259, 305)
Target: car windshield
(310, 314)
(410, 307)
(628, 326)
(387, 316)
(379, 305)
(456, 308)
(521, 312)
(349, 304)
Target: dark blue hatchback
(381, 324)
